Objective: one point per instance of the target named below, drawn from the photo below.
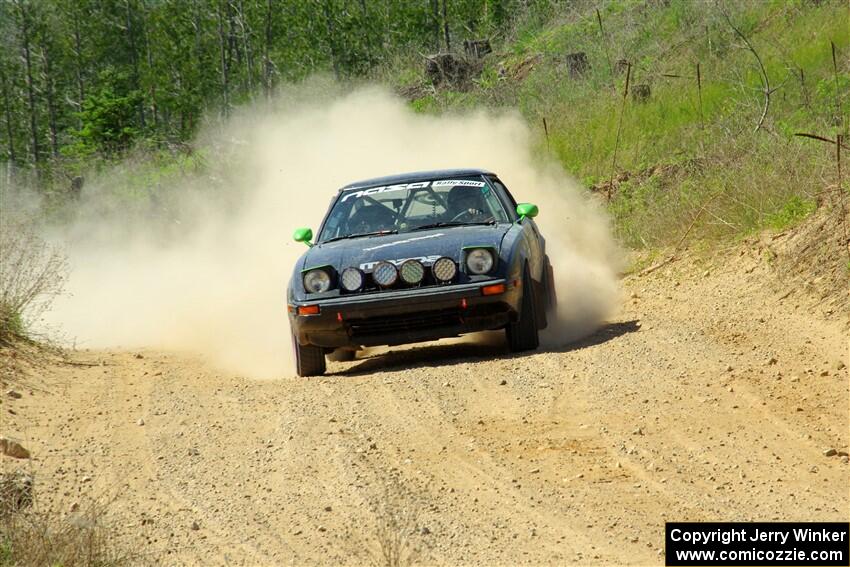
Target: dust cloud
(203, 266)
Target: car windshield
(406, 207)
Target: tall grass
(702, 140)
(743, 184)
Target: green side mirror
(304, 235)
(526, 210)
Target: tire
(522, 335)
(342, 355)
(309, 359)
(551, 290)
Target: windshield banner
(417, 185)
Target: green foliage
(689, 155)
(170, 62)
(794, 210)
(11, 325)
(118, 79)
(108, 118)
(425, 104)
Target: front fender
(295, 290)
(520, 247)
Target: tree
(108, 117)
(7, 112)
(25, 24)
(268, 66)
(70, 68)
(446, 25)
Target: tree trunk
(232, 44)
(134, 59)
(446, 26)
(152, 88)
(197, 25)
(245, 30)
(435, 18)
(78, 61)
(198, 53)
(27, 52)
(7, 107)
(267, 62)
(51, 100)
(222, 43)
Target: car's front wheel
(522, 334)
(309, 359)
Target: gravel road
(710, 396)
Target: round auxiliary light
(412, 272)
(352, 279)
(444, 269)
(479, 261)
(317, 281)
(384, 274)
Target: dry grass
(736, 188)
(396, 524)
(82, 535)
(32, 273)
(815, 257)
(392, 534)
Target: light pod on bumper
(412, 272)
(351, 279)
(479, 261)
(384, 274)
(444, 269)
(317, 281)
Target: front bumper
(405, 316)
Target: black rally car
(418, 257)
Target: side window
(335, 221)
(504, 196)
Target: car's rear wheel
(309, 359)
(522, 334)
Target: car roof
(415, 176)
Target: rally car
(418, 257)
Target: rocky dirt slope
(713, 395)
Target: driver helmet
(371, 218)
(464, 198)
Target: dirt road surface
(710, 396)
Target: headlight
(412, 272)
(479, 261)
(444, 269)
(317, 281)
(351, 279)
(384, 274)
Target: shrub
(794, 210)
(84, 536)
(32, 273)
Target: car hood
(424, 245)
